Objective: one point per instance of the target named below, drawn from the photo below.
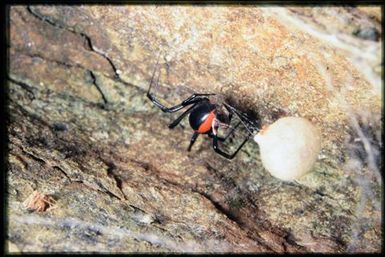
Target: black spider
(204, 119)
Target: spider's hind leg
(194, 98)
(179, 119)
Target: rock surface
(82, 131)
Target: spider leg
(194, 98)
(252, 126)
(191, 100)
(192, 141)
(222, 139)
(226, 155)
(249, 124)
(178, 120)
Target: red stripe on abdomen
(206, 125)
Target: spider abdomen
(202, 117)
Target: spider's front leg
(222, 139)
(216, 138)
(226, 155)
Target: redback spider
(204, 119)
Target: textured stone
(124, 182)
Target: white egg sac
(289, 147)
